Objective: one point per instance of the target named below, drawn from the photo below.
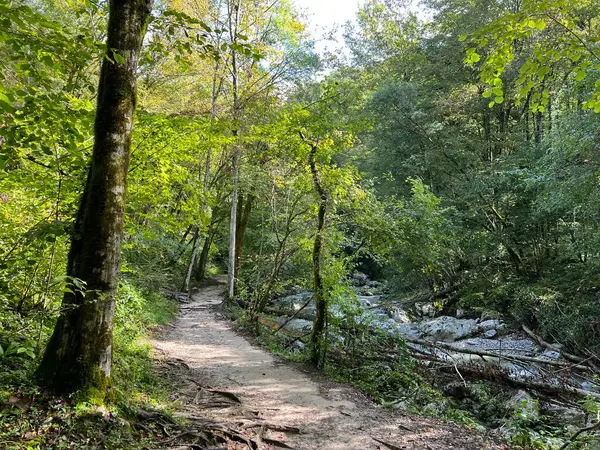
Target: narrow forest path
(328, 415)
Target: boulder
(299, 325)
(524, 406)
(409, 330)
(560, 415)
(293, 303)
(298, 345)
(491, 324)
(366, 301)
(490, 334)
(490, 315)
(425, 309)
(359, 279)
(448, 328)
(398, 315)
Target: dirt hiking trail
(235, 382)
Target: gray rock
(298, 345)
(448, 328)
(294, 302)
(491, 324)
(521, 371)
(425, 309)
(490, 315)
(524, 406)
(490, 334)
(589, 386)
(300, 325)
(551, 355)
(561, 415)
(359, 279)
(409, 330)
(368, 300)
(399, 315)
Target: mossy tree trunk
(317, 338)
(79, 353)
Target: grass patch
(33, 419)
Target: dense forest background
(449, 150)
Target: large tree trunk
(79, 353)
(317, 338)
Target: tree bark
(233, 13)
(232, 226)
(79, 353)
(203, 260)
(317, 343)
(243, 215)
(188, 278)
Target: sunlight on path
(329, 416)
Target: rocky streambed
(484, 342)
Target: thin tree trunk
(243, 215)
(317, 340)
(182, 245)
(216, 88)
(203, 261)
(188, 278)
(232, 225)
(234, 10)
(79, 353)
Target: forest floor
(230, 381)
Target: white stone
(448, 328)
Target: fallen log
(569, 356)
(484, 353)
(487, 372)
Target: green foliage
(458, 155)
(66, 423)
(558, 35)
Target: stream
(457, 340)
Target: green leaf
(119, 58)
(27, 351)
(542, 72)
(5, 103)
